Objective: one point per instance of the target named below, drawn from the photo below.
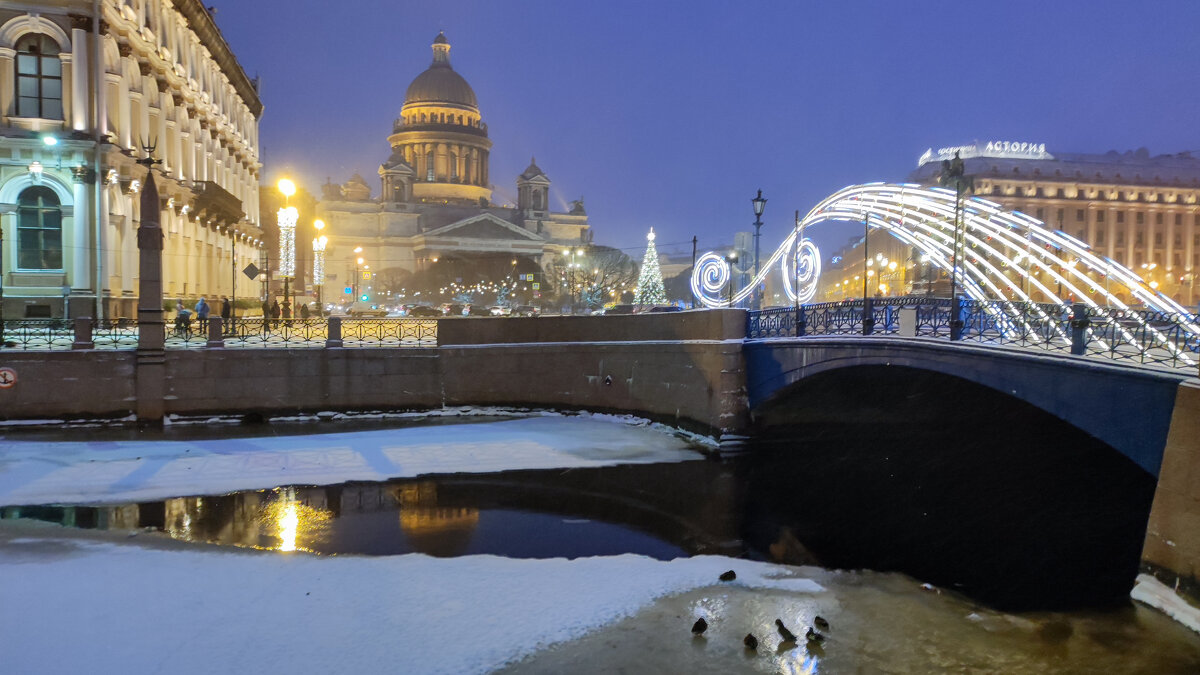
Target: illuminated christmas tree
(650, 283)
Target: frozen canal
(315, 574)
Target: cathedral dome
(439, 83)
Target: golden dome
(439, 84)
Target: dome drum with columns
(441, 136)
(436, 199)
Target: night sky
(672, 114)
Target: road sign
(8, 377)
(536, 286)
(251, 271)
(348, 290)
(366, 276)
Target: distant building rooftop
(1031, 161)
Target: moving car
(424, 311)
(664, 308)
(361, 308)
(525, 310)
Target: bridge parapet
(1142, 337)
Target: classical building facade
(1141, 211)
(82, 98)
(435, 201)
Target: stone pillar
(151, 359)
(81, 233)
(7, 81)
(1171, 552)
(68, 90)
(333, 333)
(215, 340)
(83, 333)
(80, 75)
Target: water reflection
(603, 511)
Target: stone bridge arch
(1127, 408)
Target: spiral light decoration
(1002, 252)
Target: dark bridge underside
(1127, 408)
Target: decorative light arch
(1003, 251)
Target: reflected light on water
(289, 522)
(805, 666)
(295, 522)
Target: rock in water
(700, 626)
(729, 576)
(821, 623)
(750, 641)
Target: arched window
(39, 230)
(39, 78)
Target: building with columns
(1141, 211)
(435, 203)
(166, 84)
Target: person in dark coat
(304, 311)
(226, 309)
(274, 312)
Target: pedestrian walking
(202, 310)
(226, 309)
(304, 312)
(274, 313)
(287, 310)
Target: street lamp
(730, 260)
(287, 216)
(759, 205)
(319, 243)
(357, 273)
(953, 174)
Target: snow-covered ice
(103, 608)
(41, 472)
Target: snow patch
(323, 614)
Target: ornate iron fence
(38, 334)
(1139, 336)
(119, 334)
(59, 334)
(389, 332)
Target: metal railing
(66, 334)
(1138, 336)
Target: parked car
(424, 311)
(361, 308)
(455, 310)
(525, 310)
(500, 311)
(664, 308)
(619, 309)
(479, 310)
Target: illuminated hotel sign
(1005, 149)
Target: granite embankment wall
(684, 368)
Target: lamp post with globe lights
(760, 204)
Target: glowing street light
(319, 243)
(287, 217)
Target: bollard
(333, 333)
(1079, 326)
(868, 316)
(801, 322)
(83, 333)
(215, 339)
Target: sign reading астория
(1009, 149)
